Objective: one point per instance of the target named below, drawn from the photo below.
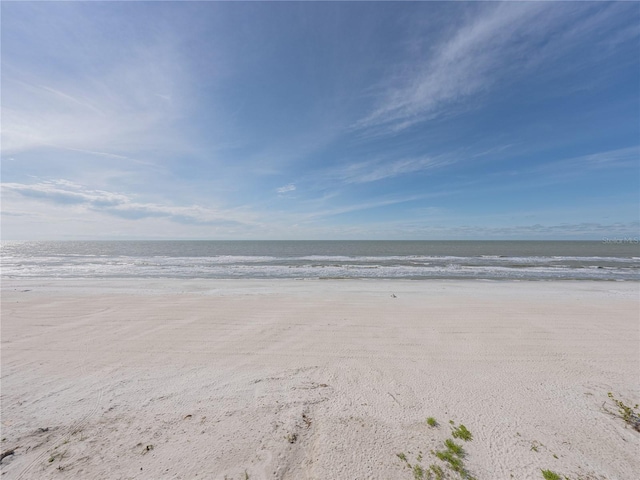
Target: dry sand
(315, 379)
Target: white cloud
(63, 192)
(286, 189)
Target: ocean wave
(148, 269)
(334, 260)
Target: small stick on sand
(394, 398)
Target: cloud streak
(619, 158)
(379, 169)
(64, 192)
(500, 43)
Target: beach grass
(549, 475)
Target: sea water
(419, 260)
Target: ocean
(417, 260)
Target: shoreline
(293, 379)
(7, 283)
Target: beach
(316, 379)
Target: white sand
(315, 379)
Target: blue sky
(361, 120)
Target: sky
(320, 120)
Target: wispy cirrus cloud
(90, 96)
(619, 158)
(458, 67)
(379, 169)
(501, 42)
(99, 117)
(64, 192)
(567, 169)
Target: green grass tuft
(462, 433)
(454, 448)
(452, 459)
(437, 471)
(450, 462)
(549, 475)
(418, 472)
(629, 414)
